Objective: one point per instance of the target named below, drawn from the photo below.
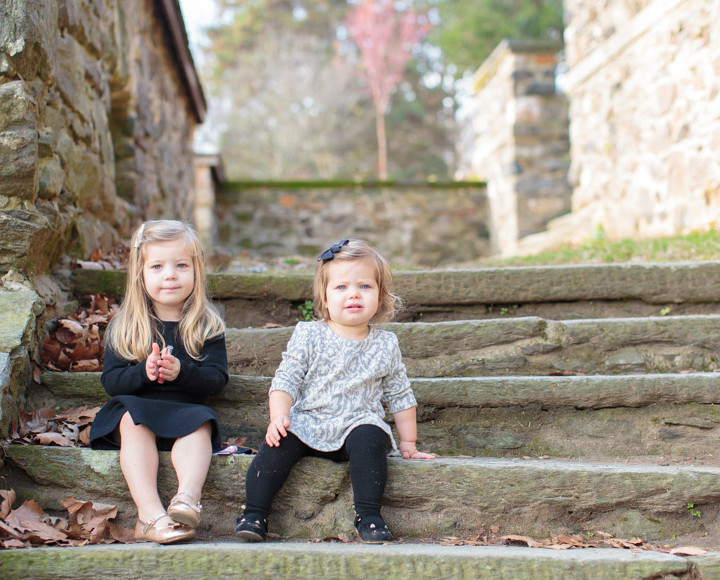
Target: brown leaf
(29, 511)
(688, 551)
(84, 437)
(122, 534)
(69, 331)
(37, 371)
(78, 415)
(8, 498)
(87, 366)
(51, 348)
(96, 255)
(14, 543)
(523, 540)
(56, 438)
(64, 361)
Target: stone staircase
(576, 398)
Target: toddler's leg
(265, 476)
(367, 450)
(139, 464)
(191, 457)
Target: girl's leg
(191, 457)
(367, 451)
(268, 471)
(139, 464)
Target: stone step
(349, 561)
(423, 499)
(579, 291)
(524, 346)
(596, 417)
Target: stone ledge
(428, 499)
(654, 283)
(581, 392)
(332, 561)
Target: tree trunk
(382, 145)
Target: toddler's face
(352, 293)
(169, 277)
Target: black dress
(171, 409)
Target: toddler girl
(165, 354)
(326, 396)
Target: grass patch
(693, 247)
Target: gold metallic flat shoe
(185, 509)
(167, 533)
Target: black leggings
(365, 448)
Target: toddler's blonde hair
(388, 303)
(134, 328)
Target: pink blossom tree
(386, 38)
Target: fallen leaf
(688, 551)
(56, 438)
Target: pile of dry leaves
(45, 426)
(76, 344)
(87, 523)
(569, 541)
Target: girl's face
(352, 296)
(169, 277)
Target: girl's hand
(277, 429)
(409, 451)
(169, 366)
(151, 364)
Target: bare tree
(386, 38)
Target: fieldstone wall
(95, 127)
(98, 103)
(517, 140)
(421, 224)
(643, 83)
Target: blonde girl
(327, 394)
(165, 355)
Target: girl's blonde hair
(388, 303)
(134, 328)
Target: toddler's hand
(151, 364)
(169, 366)
(277, 429)
(409, 451)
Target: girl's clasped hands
(162, 366)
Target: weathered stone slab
(653, 283)
(519, 346)
(332, 561)
(446, 496)
(597, 417)
(581, 392)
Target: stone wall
(420, 224)
(95, 127)
(98, 103)
(644, 86)
(517, 140)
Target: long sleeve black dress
(171, 409)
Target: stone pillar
(519, 141)
(209, 175)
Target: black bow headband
(329, 254)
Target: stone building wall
(96, 124)
(422, 224)
(644, 88)
(98, 103)
(518, 141)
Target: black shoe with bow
(250, 528)
(372, 529)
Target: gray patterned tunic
(337, 384)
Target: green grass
(696, 246)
